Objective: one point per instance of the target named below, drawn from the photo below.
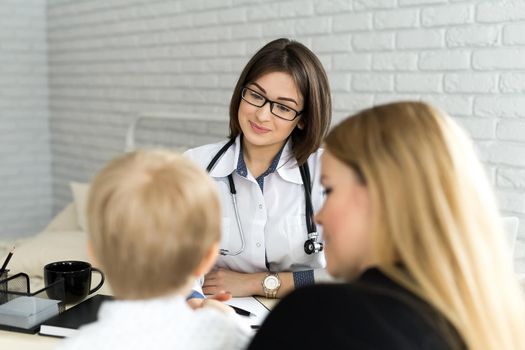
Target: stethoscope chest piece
(311, 245)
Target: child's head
(154, 223)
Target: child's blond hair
(152, 218)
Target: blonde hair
(436, 229)
(152, 217)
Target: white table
(22, 341)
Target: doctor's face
(261, 128)
(345, 217)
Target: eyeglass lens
(278, 109)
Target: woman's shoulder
(372, 310)
(203, 154)
(372, 290)
(322, 300)
(331, 310)
(331, 295)
(206, 149)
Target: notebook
(68, 322)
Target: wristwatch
(270, 285)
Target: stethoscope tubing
(241, 231)
(310, 225)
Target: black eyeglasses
(278, 109)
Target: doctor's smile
(259, 129)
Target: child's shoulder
(227, 329)
(158, 322)
(211, 314)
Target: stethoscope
(311, 245)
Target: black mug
(76, 278)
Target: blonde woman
(410, 222)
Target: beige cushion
(80, 196)
(66, 220)
(31, 255)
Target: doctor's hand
(237, 283)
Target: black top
(373, 312)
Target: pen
(6, 261)
(241, 311)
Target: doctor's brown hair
(435, 226)
(292, 57)
(152, 218)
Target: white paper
(251, 304)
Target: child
(154, 226)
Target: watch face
(271, 282)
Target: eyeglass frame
(267, 100)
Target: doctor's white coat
(273, 220)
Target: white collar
(286, 168)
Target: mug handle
(101, 280)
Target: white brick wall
(111, 59)
(25, 174)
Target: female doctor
(268, 174)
